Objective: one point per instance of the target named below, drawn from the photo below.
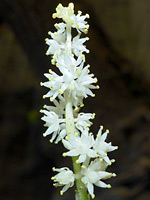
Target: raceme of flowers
(66, 91)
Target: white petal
(82, 158)
(90, 188)
(67, 145)
(101, 184)
(72, 152)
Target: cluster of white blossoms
(67, 90)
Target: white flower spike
(67, 91)
(65, 178)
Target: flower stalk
(63, 121)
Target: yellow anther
(54, 57)
(87, 15)
(109, 186)
(53, 62)
(55, 185)
(41, 111)
(95, 80)
(101, 160)
(85, 31)
(110, 164)
(64, 154)
(93, 95)
(91, 133)
(49, 32)
(55, 34)
(58, 54)
(61, 192)
(96, 155)
(51, 99)
(57, 65)
(79, 12)
(50, 71)
(51, 78)
(81, 105)
(92, 196)
(41, 84)
(77, 26)
(83, 57)
(114, 175)
(83, 167)
(101, 127)
(54, 15)
(93, 116)
(88, 66)
(87, 26)
(67, 137)
(105, 154)
(53, 169)
(107, 131)
(44, 135)
(97, 86)
(76, 134)
(46, 53)
(116, 147)
(51, 141)
(44, 106)
(46, 39)
(56, 25)
(78, 72)
(77, 108)
(61, 91)
(44, 97)
(53, 178)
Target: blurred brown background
(120, 58)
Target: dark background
(119, 57)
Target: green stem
(81, 189)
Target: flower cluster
(67, 90)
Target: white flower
(65, 178)
(79, 22)
(82, 121)
(54, 84)
(79, 146)
(54, 124)
(101, 147)
(67, 61)
(59, 107)
(77, 45)
(57, 44)
(93, 175)
(64, 12)
(60, 27)
(85, 81)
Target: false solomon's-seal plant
(63, 121)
